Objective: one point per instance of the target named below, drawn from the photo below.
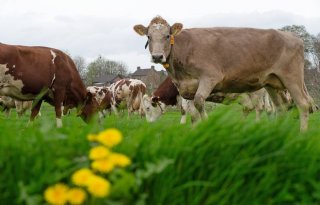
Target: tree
(102, 66)
(315, 53)
(81, 65)
(302, 33)
(308, 40)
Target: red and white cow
(131, 92)
(104, 97)
(44, 74)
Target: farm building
(106, 80)
(150, 76)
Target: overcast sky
(92, 27)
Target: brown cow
(202, 61)
(41, 73)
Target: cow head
(153, 110)
(89, 108)
(160, 37)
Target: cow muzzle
(158, 58)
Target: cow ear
(89, 97)
(155, 99)
(176, 28)
(140, 29)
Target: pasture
(224, 160)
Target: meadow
(225, 160)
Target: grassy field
(225, 160)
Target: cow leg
(195, 115)
(58, 110)
(276, 99)
(205, 88)
(101, 115)
(313, 105)
(184, 109)
(302, 101)
(19, 107)
(258, 114)
(129, 106)
(7, 112)
(58, 104)
(258, 105)
(35, 110)
(113, 107)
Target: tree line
(101, 66)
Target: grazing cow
(202, 61)
(104, 97)
(130, 91)
(167, 94)
(7, 103)
(41, 73)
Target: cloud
(91, 35)
(270, 19)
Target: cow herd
(128, 91)
(262, 67)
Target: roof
(142, 72)
(107, 78)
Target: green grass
(226, 159)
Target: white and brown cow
(43, 74)
(131, 92)
(104, 97)
(167, 94)
(202, 61)
(8, 103)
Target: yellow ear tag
(171, 39)
(166, 65)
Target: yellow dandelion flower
(110, 137)
(56, 194)
(92, 137)
(102, 165)
(81, 177)
(120, 160)
(76, 196)
(98, 152)
(98, 186)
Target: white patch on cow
(135, 82)
(53, 79)
(7, 82)
(158, 25)
(54, 55)
(59, 122)
(13, 66)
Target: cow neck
(169, 62)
